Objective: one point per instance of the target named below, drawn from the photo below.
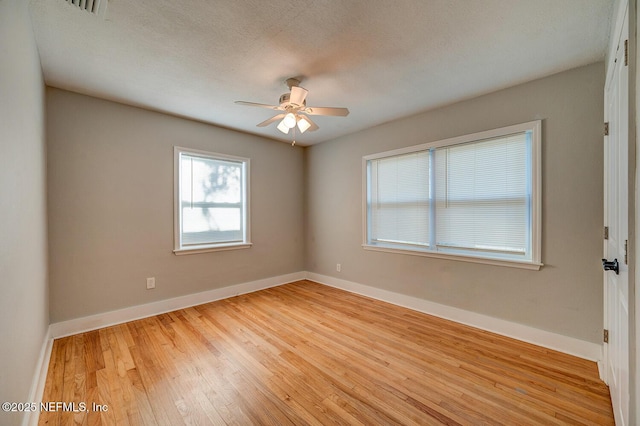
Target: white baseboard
(39, 379)
(546, 339)
(601, 370)
(565, 344)
(105, 319)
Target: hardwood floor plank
(55, 379)
(308, 354)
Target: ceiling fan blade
(335, 112)
(271, 120)
(298, 95)
(276, 107)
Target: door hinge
(606, 232)
(606, 336)
(626, 52)
(606, 128)
(626, 251)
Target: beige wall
(24, 315)
(565, 296)
(110, 183)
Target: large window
(211, 201)
(475, 198)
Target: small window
(211, 201)
(475, 198)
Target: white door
(616, 178)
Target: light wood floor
(304, 353)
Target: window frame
(535, 127)
(178, 248)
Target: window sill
(534, 266)
(207, 249)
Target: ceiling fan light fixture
(283, 127)
(289, 120)
(303, 124)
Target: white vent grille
(97, 7)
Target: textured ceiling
(381, 59)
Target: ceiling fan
(295, 112)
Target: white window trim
(178, 250)
(536, 195)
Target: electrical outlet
(151, 283)
(338, 267)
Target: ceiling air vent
(97, 7)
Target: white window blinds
(482, 196)
(475, 196)
(400, 199)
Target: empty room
(318, 212)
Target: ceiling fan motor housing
(285, 98)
